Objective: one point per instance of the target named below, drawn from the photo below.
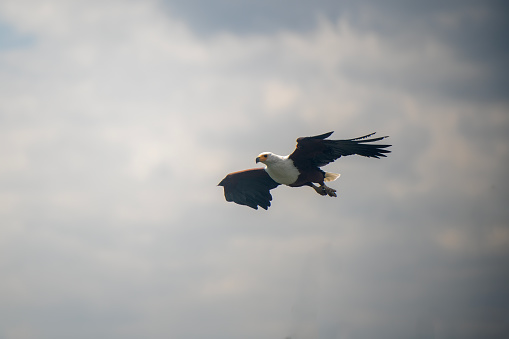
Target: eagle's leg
(331, 192)
(323, 190)
(318, 189)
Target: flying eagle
(301, 168)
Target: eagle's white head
(281, 169)
(268, 158)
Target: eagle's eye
(265, 155)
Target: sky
(119, 118)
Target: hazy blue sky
(119, 118)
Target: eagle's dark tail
(360, 146)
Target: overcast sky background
(119, 118)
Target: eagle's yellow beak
(261, 158)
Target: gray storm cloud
(118, 119)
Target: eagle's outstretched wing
(316, 151)
(249, 187)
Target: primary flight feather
(300, 168)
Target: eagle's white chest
(283, 171)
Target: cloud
(120, 118)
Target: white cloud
(118, 122)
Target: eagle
(252, 187)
